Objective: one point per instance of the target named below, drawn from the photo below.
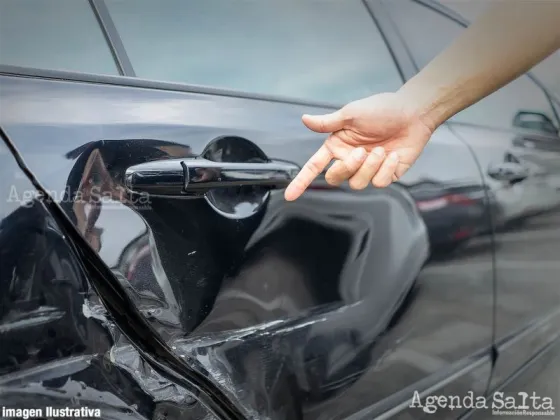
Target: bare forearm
(509, 39)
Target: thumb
(327, 123)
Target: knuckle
(346, 116)
(357, 184)
(333, 182)
(313, 168)
(373, 162)
(331, 179)
(350, 166)
(380, 183)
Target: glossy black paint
(59, 341)
(453, 213)
(236, 303)
(306, 293)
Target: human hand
(375, 139)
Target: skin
(377, 139)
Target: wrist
(423, 104)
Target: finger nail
(394, 156)
(379, 151)
(358, 154)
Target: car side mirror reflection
(536, 121)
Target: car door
(170, 162)
(514, 135)
(527, 271)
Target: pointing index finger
(314, 166)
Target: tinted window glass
(428, 32)
(53, 34)
(319, 50)
(425, 31)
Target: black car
(150, 267)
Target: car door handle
(196, 176)
(508, 171)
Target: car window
(55, 35)
(315, 50)
(427, 33)
(501, 108)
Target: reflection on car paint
(323, 297)
(50, 312)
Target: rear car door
(514, 135)
(169, 156)
(527, 270)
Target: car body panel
(338, 305)
(242, 294)
(453, 213)
(60, 346)
(527, 301)
(525, 213)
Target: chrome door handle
(508, 171)
(196, 176)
